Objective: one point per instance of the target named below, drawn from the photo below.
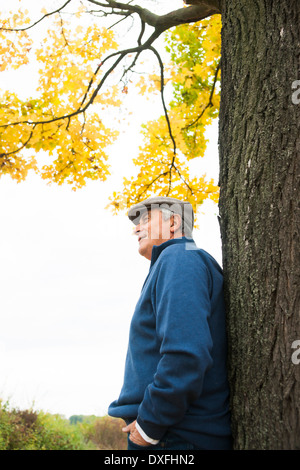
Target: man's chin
(145, 248)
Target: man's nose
(136, 229)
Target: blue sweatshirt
(175, 374)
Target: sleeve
(182, 303)
(144, 436)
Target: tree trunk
(260, 217)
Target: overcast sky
(70, 276)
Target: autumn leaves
(65, 118)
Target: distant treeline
(74, 419)
(36, 430)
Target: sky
(70, 276)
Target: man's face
(152, 230)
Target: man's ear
(175, 223)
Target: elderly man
(175, 391)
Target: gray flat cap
(183, 208)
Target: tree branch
(147, 186)
(160, 23)
(212, 3)
(163, 22)
(181, 177)
(163, 99)
(143, 26)
(81, 109)
(209, 104)
(41, 19)
(20, 148)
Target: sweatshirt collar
(157, 249)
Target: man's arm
(182, 303)
(138, 436)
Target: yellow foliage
(50, 122)
(58, 122)
(160, 170)
(14, 47)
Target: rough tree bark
(259, 141)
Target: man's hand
(134, 435)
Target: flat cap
(183, 208)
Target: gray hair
(167, 214)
